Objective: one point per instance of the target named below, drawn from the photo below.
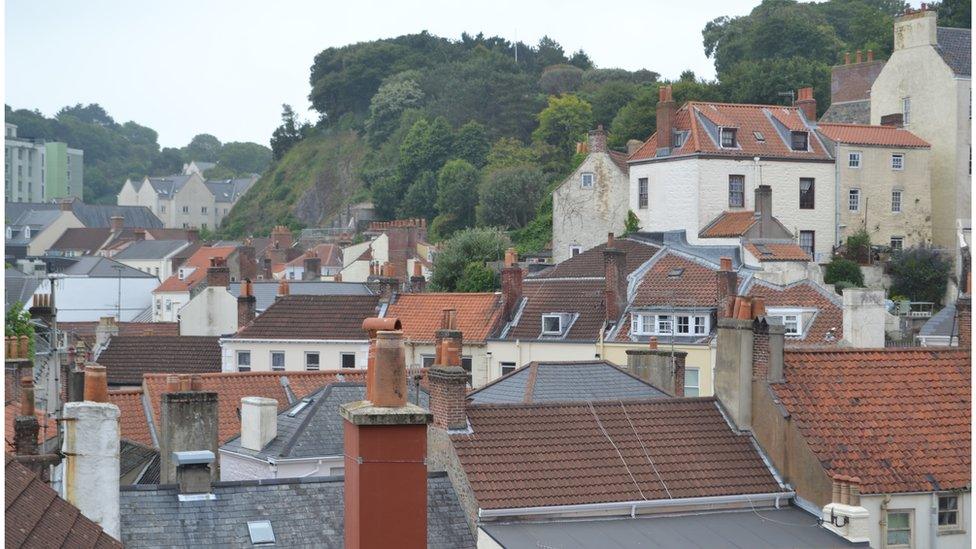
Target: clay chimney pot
(652, 343)
(96, 383)
(390, 378)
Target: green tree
(549, 52)
(421, 198)
(289, 133)
(457, 192)
(244, 158)
(955, 13)
(203, 147)
(560, 79)
(18, 323)
(463, 248)
(425, 147)
(608, 99)
(385, 108)
(581, 60)
(920, 273)
(387, 193)
(477, 278)
(563, 123)
(762, 81)
(843, 270)
(471, 143)
(508, 197)
(632, 224)
(636, 120)
(508, 152)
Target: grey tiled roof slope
(229, 190)
(133, 455)
(102, 267)
(127, 358)
(17, 287)
(851, 112)
(941, 323)
(955, 47)
(564, 382)
(316, 431)
(305, 512)
(266, 292)
(91, 215)
(150, 249)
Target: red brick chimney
(246, 262)
(615, 280)
(847, 58)
(385, 465)
(26, 426)
(666, 108)
(116, 222)
(246, 304)
(511, 284)
(447, 380)
(964, 310)
(140, 234)
(857, 57)
(597, 140)
(806, 103)
(725, 286)
(192, 234)
(218, 274)
(417, 282)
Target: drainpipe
(934, 519)
(884, 516)
(837, 237)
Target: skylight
(299, 407)
(261, 532)
(676, 272)
(759, 136)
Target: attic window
(728, 138)
(679, 139)
(552, 324)
(586, 180)
(261, 532)
(676, 272)
(759, 137)
(763, 249)
(798, 141)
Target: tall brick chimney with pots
(447, 380)
(417, 282)
(725, 286)
(511, 284)
(247, 263)
(597, 140)
(964, 311)
(386, 451)
(615, 281)
(246, 304)
(806, 103)
(666, 109)
(218, 274)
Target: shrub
(632, 225)
(920, 273)
(477, 278)
(840, 269)
(478, 245)
(859, 246)
(842, 285)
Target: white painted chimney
(91, 462)
(259, 422)
(864, 318)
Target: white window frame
(897, 198)
(737, 190)
(186, 209)
(854, 200)
(644, 323)
(898, 161)
(510, 366)
(911, 528)
(427, 361)
(807, 141)
(586, 180)
(959, 526)
(721, 138)
(241, 367)
(575, 250)
(689, 388)
(559, 319)
(643, 194)
(854, 160)
(790, 316)
(271, 360)
(342, 358)
(901, 243)
(318, 358)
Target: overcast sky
(225, 67)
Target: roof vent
(676, 272)
(261, 532)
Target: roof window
(676, 272)
(728, 138)
(759, 137)
(261, 532)
(299, 407)
(799, 140)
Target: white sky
(225, 67)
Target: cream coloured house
(186, 200)
(927, 85)
(590, 202)
(708, 158)
(884, 183)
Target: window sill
(951, 532)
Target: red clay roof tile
(778, 252)
(730, 224)
(478, 314)
(132, 415)
(314, 317)
(200, 260)
(807, 294)
(886, 136)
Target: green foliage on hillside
(114, 151)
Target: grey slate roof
(941, 323)
(758, 529)
(37, 220)
(169, 185)
(229, 190)
(848, 112)
(265, 292)
(17, 287)
(91, 215)
(103, 267)
(955, 47)
(317, 430)
(150, 249)
(133, 455)
(565, 382)
(306, 512)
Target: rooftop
(825, 324)
(266, 292)
(478, 314)
(150, 249)
(955, 46)
(777, 251)
(85, 331)
(200, 261)
(539, 382)
(897, 419)
(314, 317)
(590, 262)
(882, 136)
(91, 215)
(127, 358)
(102, 267)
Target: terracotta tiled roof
(590, 262)
(805, 294)
(232, 386)
(679, 281)
(85, 331)
(579, 297)
(700, 121)
(730, 224)
(533, 455)
(887, 136)
(201, 260)
(778, 251)
(133, 424)
(48, 427)
(314, 317)
(37, 517)
(620, 159)
(420, 314)
(127, 358)
(897, 419)
(330, 254)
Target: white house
(95, 286)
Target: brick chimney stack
(116, 222)
(807, 104)
(283, 288)
(312, 268)
(597, 140)
(246, 304)
(26, 426)
(267, 272)
(140, 234)
(192, 234)
(666, 109)
(964, 310)
(247, 264)
(511, 284)
(218, 274)
(188, 422)
(661, 368)
(417, 282)
(615, 280)
(764, 209)
(447, 380)
(386, 451)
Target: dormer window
(586, 180)
(10, 233)
(799, 140)
(552, 324)
(728, 138)
(27, 232)
(679, 139)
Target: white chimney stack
(91, 462)
(259, 422)
(864, 318)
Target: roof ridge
(577, 403)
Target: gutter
(631, 507)
(295, 341)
